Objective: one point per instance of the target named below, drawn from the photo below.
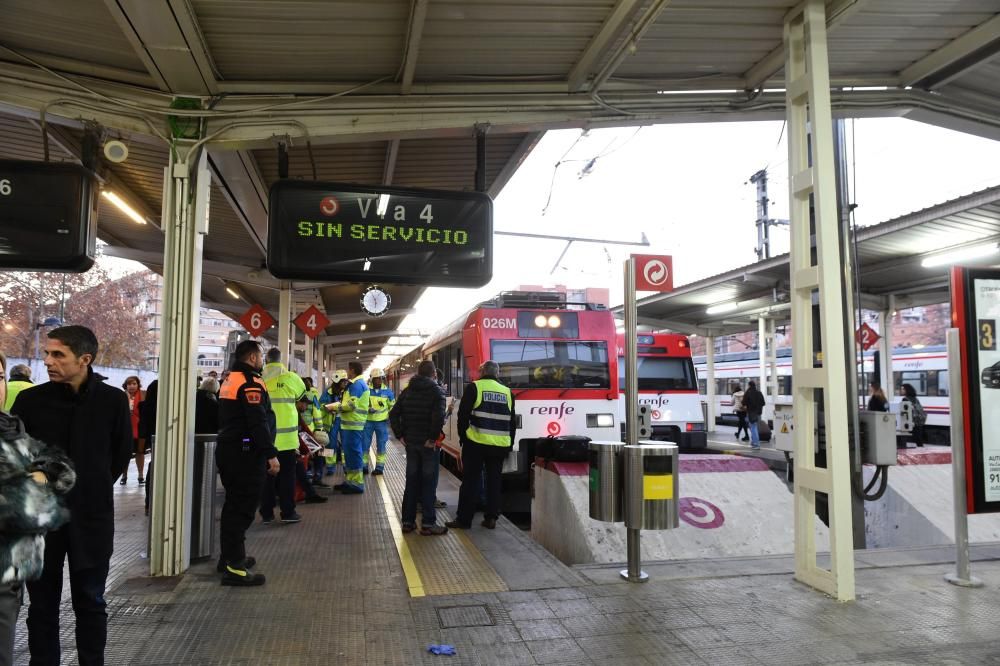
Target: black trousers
(242, 473)
(475, 459)
(10, 604)
(742, 424)
(282, 485)
(45, 594)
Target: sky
(686, 187)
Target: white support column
(762, 363)
(710, 381)
(185, 222)
(309, 372)
(811, 171)
(772, 369)
(285, 321)
(320, 366)
(885, 348)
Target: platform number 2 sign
(987, 334)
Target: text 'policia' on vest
(489, 422)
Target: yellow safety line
(413, 580)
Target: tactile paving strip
(447, 564)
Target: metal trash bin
(606, 481)
(651, 486)
(203, 497)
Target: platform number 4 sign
(987, 334)
(256, 320)
(312, 321)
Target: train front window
(552, 363)
(658, 373)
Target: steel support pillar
(710, 382)
(285, 322)
(187, 184)
(885, 348)
(817, 380)
(768, 365)
(309, 347)
(320, 366)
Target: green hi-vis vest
(284, 387)
(382, 400)
(489, 422)
(354, 405)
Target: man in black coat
(77, 412)
(416, 420)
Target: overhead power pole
(764, 221)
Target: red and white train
(668, 385)
(558, 359)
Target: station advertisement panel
(336, 232)
(976, 312)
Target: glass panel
(661, 374)
(552, 364)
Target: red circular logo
(700, 513)
(553, 428)
(656, 414)
(329, 206)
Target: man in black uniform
(245, 451)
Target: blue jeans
(754, 433)
(421, 484)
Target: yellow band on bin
(657, 486)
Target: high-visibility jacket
(284, 388)
(489, 422)
(381, 401)
(13, 388)
(313, 415)
(354, 405)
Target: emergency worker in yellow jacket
(487, 429)
(382, 400)
(284, 388)
(331, 418)
(20, 379)
(353, 409)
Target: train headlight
(540, 321)
(554, 322)
(600, 420)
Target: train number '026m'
(499, 322)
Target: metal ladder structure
(812, 182)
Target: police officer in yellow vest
(353, 410)
(487, 429)
(381, 401)
(284, 388)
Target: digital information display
(978, 308)
(46, 216)
(334, 232)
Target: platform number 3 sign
(987, 334)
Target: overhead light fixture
(721, 307)
(383, 205)
(359, 342)
(364, 326)
(122, 206)
(232, 292)
(958, 256)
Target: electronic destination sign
(335, 232)
(46, 216)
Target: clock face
(375, 301)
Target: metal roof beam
(243, 187)
(389, 170)
(837, 12)
(520, 153)
(174, 57)
(628, 46)
(360, 317)
(600, 43)
(416, 32)
(954, 58)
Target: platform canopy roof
(393, 92)
(889, 262)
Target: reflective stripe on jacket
(284, 389)
(355, 404)
(489, 422)
(382, 400)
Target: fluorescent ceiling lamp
(364, 326)
(721, 307)
(122, 206)
(359, 342)
(958, 256)
(232, 292)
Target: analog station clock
(375, 301)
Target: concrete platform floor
(336, 594)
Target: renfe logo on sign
(654, 272)
(337, 232)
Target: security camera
(115, 151)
